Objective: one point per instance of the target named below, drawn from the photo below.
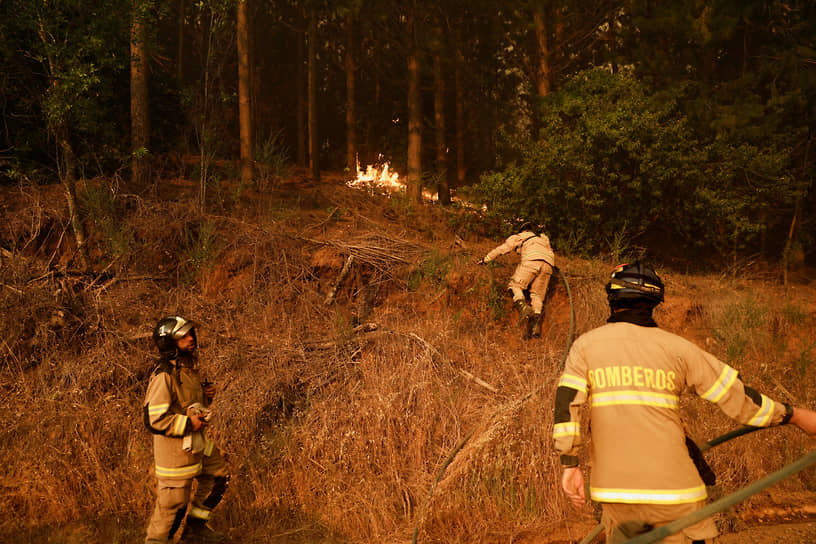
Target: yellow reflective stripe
(200, 513)
(569, 428)
(727, 378)
(573, 382)
(209, 447)
(189, 471)
(180, 424)
(157, 409)
(640, 398)
(649, 496)
(763, 415)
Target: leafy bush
(614, 158)
(272, 161)
(202, 249)
(432, 270)
(99, 206)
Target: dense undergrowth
(336, 409)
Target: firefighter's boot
(524, 309)
(535, 324)
(529, 327)
(198, 532)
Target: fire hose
(523, 399)
(675, 526)
(719, 505)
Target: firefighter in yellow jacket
(631, 373)
(533, 273)
(176, 412)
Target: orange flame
(377, 177)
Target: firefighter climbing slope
(176, 412)
(631, 373)
(533, 273)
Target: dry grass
(335, 435)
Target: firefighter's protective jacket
(530, 246)
(174, 386)
(632, 377)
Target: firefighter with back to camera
(176, 411)
(533, 272)
(631, 373)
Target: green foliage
(65, 70)
(201, 249)
(272, 161)
(497, 301)
(739, 325)
(98, 202)
(622, 166)
(608, 160)
(794, 314)
(432, 270)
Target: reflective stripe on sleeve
(649, 496)
(157, 409)
(179, 425)
(209, 447)
(727, 378)
(569, 428)
(200, 513)
(573, 382)
(763, 415)
(640, 398)
(190, 471)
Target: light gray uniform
(535, 268)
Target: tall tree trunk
(66, 161)
(414, 177)
(314, 139)
(244, 90)
(67, 173)
(139, 110)
(180, 46)
(543, 74)
(443, 191)
(351, 113)
(458, 79)
(300, 101)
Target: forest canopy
(616, 122)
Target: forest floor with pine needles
(354, 343)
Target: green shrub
(98, 202)
(615, 158)
(432, 270)
(201, 250)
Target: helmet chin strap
(639, 313)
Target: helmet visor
(181, 328)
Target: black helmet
(634, 282)
(170, 329)
(526, 226)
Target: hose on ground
(719, 505)
(725, 502)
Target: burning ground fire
(377, 178)
(382, 178)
